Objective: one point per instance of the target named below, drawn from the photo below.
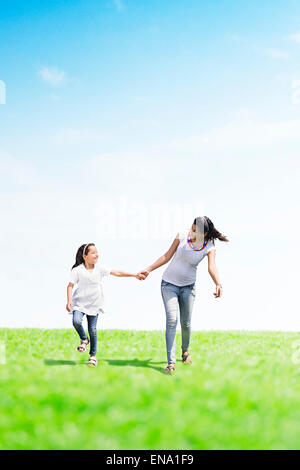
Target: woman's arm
(212, 269)
(164, 258)
(114, 272)
(69, 296)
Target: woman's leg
(77, 323)
(186, 302)
(92, 326)
(170, 298)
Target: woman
(178, 281)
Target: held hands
(218, 292)
(141, 275)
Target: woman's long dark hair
(79, 255)
(206, 225)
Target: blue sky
(175, 104)
(173, 61)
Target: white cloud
(53, 76)
(296, 94)
(54, 97)
(277, 54)
(247, 134)
(142, 99)
(295, 37)
(76, 136)
(15, 173)
(234, 37)
(118, 4)
(2, 92)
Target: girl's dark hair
(209, 227)
(79, 255)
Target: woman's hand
(69, 306)
(143, 274)
(218, 292)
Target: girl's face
(92, 256)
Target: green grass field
(241, 392)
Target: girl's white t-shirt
(88, 294)
(182, 269)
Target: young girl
(88, 297)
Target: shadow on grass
(134, 363)
(61, 362)
(112, 362)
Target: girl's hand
(218, 292)
(69, 306)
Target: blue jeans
(177, 298)
(92, 327)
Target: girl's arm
(212, 269)
(69, 296)
(165, 258)
(118, 273)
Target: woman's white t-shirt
(182, 269)
(88, 293)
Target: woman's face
(92, 256)
(196, 232)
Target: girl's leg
(170, 298)
(77, 323)
(186, 302)
(92, 326)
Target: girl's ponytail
(205, 224)
(83, 249)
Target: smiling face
(92, 256)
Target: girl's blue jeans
(92, 328)
(176, 299)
